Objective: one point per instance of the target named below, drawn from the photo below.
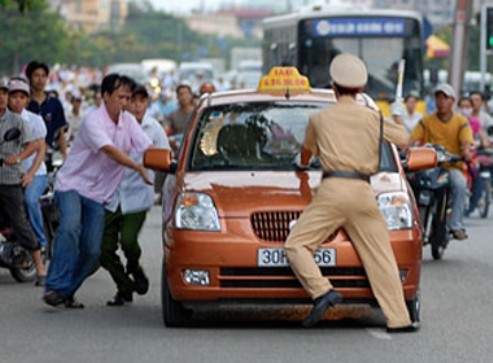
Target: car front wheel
(414, 308)
(174, 313)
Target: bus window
(381, 55)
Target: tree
(32, 34)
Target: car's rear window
(256, 136)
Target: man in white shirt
(126, 212)
(411, 117)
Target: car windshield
(256, 136)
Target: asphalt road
(457, 317)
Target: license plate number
(276, 257)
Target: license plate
(276, 257)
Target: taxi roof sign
(284, 81)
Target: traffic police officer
(346, 137)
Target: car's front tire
(414, 308)
(174, 313)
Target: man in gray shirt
(11, 172)
(177, 121)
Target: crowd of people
(102, 191)
(460, 125)
(102, 125)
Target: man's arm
(395, 132)
(466, 151)
(309, 147)
(62, 142)
(41, 151)
(466, 139)
(120, 157)
(418, 134)
(29, 149)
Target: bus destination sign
(347, 27)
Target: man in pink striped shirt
(87, 180)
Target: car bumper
(231, 263)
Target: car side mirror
(420, 158)
(159, 159)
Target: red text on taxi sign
(284, 81)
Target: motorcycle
(51, 215)
(433, 194)
(478, 175)
(12, 255)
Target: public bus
(310, 39)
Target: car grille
(273, 226)
(283, 277)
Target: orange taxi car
(234, 195)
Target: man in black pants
(11, 171)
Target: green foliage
(23, 5)
(37, 33)
(473, 47)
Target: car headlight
(396, 209)
(196, 211)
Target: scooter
(478, 176)
(12, 255)
(433, 194)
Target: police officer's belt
(346, 175)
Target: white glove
(397, 108)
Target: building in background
(92, 15)
(438, 12)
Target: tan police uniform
(346, 138)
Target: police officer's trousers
(350, 204)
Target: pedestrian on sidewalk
(126, 212)
(86, 181)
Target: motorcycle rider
(451, 130)
(11, 173)
(35, 178)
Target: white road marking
(379, 334)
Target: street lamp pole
(456, 66)
(482, 46)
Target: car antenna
(287, 95)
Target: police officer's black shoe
(120, 299)
(320, 306)
(414, 327)
(141, 281)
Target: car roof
(253, 95)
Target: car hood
(238, 194)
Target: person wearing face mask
(465, 105)
(466, 109)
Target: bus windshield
(381, 55)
